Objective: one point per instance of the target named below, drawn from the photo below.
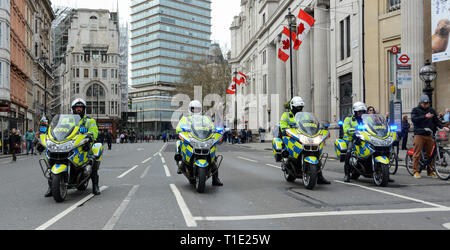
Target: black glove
(40, 148)
(87, 146)
(356, 140)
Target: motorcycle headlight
(381, 142)
(64, 147)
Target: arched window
(95, 90)
(93, 18)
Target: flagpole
(235, 100)
(291, 19)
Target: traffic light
(130, 103)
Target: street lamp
(428, 74)
(292, 21)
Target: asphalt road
(141, 190)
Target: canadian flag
(283, 52)
(232, 89)
(304, 24)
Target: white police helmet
(359, 107)
(195, 107)
(297, 102)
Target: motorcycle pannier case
(340, 148)
(277, 148)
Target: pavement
(141, 191)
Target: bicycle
(439, 155)
(393, 162)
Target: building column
(413, 45)
(321, 100)
(304, 73)
(281, 80)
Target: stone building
(88, 57)
(5, 62)
(406, 24)
(327, 69)
(20, 64)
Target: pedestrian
(29, 138)
(262, 133)
(405, 130)
(109, 139)
(371, 110)
(249, 135)
(447, 116)
(424, 118)
(14, 143)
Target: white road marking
(396, 195)
(321, 214)
(189, 219)
(163, 148)
(270, 165)
(156, 154)
(127, 172)
(167, 171)
(116, 216)
(145, 172)
(147, 160)
(163, 160)
(67, 211)
(245, 159)
(447, 225)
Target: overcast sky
(223, 12)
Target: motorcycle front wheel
(59, 187)
(381, 175)
(310, 176)
(201, 180)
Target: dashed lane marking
(116, 216)
(67, 211)
(127, 172)
(245, 159)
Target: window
(341, 24)
(86, 73)
(264, 57)
(94, 90)
(349, 51)
(394, 5)
(264, 84)
(96, 73)
(112, 73)
(78, 73)
(105, 73)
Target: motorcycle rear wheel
(59, 187)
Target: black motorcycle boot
(321, 180)
(216, 181)
(95, 179)
(49, 190)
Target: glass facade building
(164, 33)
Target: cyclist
(424, 117)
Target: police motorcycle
(371, 149)
(300, 150)
(67, 162)
(198, 157)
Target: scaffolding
(60, 33)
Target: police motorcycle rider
(195, 108)
(350, 125)
(79, 108)
(288, 120)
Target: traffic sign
(395, 50)
(404, 59)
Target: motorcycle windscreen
(202, 127)
(63, 125)
(307, 123)
(376, 125)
